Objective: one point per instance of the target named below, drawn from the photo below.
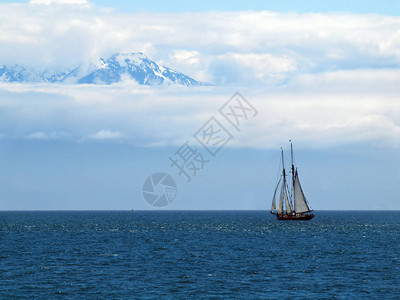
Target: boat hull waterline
(286, 217)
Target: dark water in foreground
(188, 254)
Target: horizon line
(171, 210)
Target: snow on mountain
(18, 73)
(117, 68)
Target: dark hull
(285, 217)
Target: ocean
(198, 254)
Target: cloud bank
(330, 109)
(320, 78)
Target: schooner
(292, 204)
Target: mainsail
(300, 203)
(273, 207)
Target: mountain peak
(128, 58)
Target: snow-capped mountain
(117, 68)
(135, 66)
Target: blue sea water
(198, 254)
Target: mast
(280, 205)
(291, 154)
(283, 190)
(283, 171)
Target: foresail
(287, 204)
(273, 206)
(300, 204)
(280, 206)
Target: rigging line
(279, 171)
(286, 158)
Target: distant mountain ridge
(18, 73)
(117, 68)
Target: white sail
(273, 206)
(287, 204)
(300, 204)
(280, 206)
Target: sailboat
(292, 204)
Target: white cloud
(254, 66)
(105, 135)
(264, 64)
(38, 135)
(187, 57)
(59, 2)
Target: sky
(322, 74)
(386, 7)
(389, 7)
